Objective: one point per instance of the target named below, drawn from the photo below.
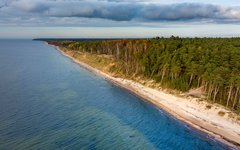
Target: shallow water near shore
(49, 102)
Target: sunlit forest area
(176, 63)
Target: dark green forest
(177, 63)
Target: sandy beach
(187, 109)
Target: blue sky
(118, 18)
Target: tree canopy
(177, 63)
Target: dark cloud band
(124, 11)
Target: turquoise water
(49, 102)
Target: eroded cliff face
(174, 63)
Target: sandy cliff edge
(187, 110)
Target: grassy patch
(208, 106)
(221, 113)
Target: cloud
(118, 11)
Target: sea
(48, 102)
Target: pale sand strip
(188, 110)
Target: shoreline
(183, 109)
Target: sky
(119, 18)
